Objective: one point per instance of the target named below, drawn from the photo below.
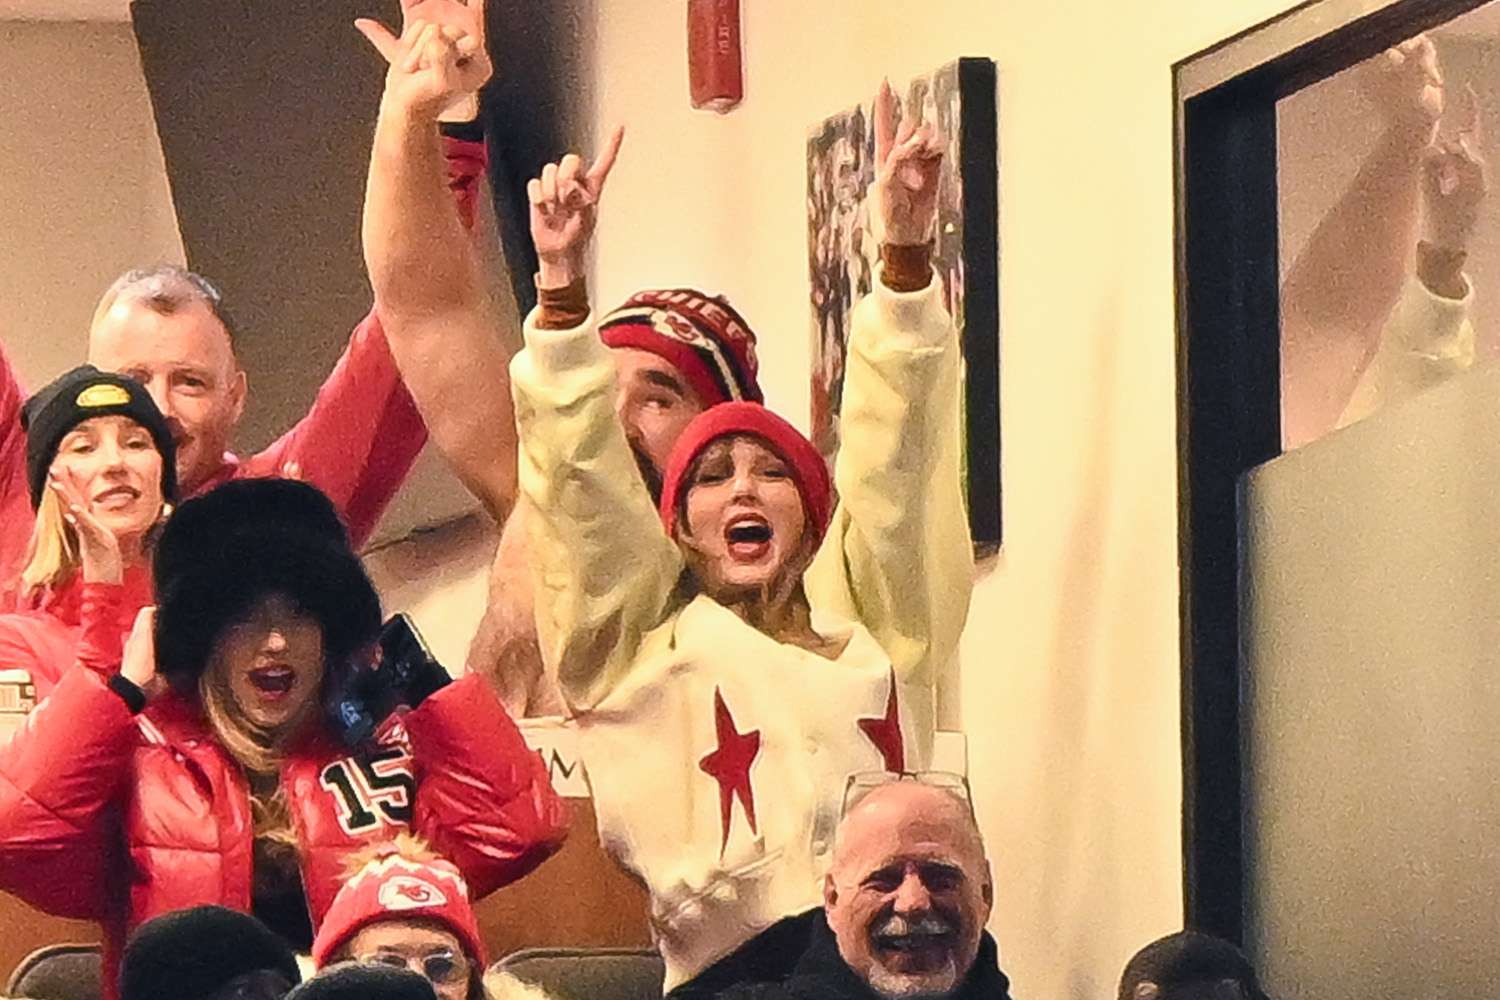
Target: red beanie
(728, 419)
(700, 335)
(392, 887)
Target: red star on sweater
(729, 765)
(885, 732)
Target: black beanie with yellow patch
(82, 394)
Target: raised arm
(1428, 337)
(604, 570)
(364, 432)
(15, 500)
(447, 323)
(898, 556)
(1346, 280)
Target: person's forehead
(131, 333)
(405, 934)
(910, 821)
(741, 447)
(116, 422)
(633, 363)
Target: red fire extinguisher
(715, 78)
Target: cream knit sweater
(717, 756)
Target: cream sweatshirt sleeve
(1427, 340)
(898, 557)
(603, 568)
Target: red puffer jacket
(109, 816)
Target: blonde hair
(52, 555)
(406, 846)
(256, 750)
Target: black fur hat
(192, 954)
(352, 981)
(221, 552)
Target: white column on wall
(83, 190)
(1070, 666)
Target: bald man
(904, 908)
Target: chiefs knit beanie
(699, 334)
(729, 419)
(222, 551)
(193, 954)
(353, 981)
(394, 887)
(82, 394)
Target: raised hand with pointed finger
(564, 210)
(435, 63)
(908, 160)
(457, 17)
(1455, 180)
(1405, 84)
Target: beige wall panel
(1372, 652)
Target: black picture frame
(840, 153)
(1228, 379)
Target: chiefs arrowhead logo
(403, 892)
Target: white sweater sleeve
(603, 568)
(1427, 340)
(898, 557)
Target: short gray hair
(165, 289)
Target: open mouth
(273, 681)
(911, 942)
(117, 496)
(748, 537)
(915, 952)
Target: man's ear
(1147, 991)
(239, 391)
(987, 890)
(830, 892)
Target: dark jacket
(798, 959)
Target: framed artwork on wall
(959, 98)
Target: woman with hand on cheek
(101, 468)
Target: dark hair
(1190, 965)
(204, 952)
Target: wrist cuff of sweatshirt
(133, 697)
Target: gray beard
(930, 986)
(937, 985)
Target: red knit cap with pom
(729, 419)
(393, 887)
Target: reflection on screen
(1387, 229)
